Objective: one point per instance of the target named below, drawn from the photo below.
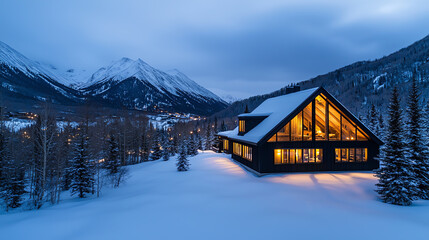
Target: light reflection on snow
(228, 166)
(328, 180)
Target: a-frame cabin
(303, 131)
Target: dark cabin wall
(266, 156)
(254, 164)
(250, 123)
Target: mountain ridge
(363, 83)
(133, 84)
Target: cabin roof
(276, 109)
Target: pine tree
(145, 150)
(182, 161)
(12, 173)
(116, 171)
(208, 137)
(192, 148)
(112, 161)
(223, 126)
(416, 151)
(82, 172)
(166, 149)
(396, 174)
(372, 120)
(156, 150)
(14, 187)
(426, 125)
(4, 157)
(381, 126)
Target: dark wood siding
(266, 155)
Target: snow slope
(170, 82)
(217, 199)
(16, 60)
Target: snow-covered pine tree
(144, 148)
(372, 119)
(14, 185)
(416, 151)
(209, 137)
(166, 149)
(223, 126)
(81, 168)
(381, 126)
(182, 161)
(192, 148)
(396, 173)
(12, 173)
(116, 171)
(426, 125)
(112, 160)
(156, 150)
(4, 156)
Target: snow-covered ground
(217, 199)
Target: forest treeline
(41, 162)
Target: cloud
(238, 47)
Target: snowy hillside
(217, 199)
(22, 78)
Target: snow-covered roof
(278, 109)
(254, 114)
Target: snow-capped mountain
(124, 83)
(137, 85)
(74, 78)
(24, 79)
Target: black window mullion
(327, 121)
(313, 120)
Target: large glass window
(284, 134)
(361, 137)
(297, 156)
(307, 125)
(247, 153)
(351, 155)
(334, 124)
(324, 119)
(236, 149)
(320, 118)
(242, 151)
(348, 130)
(296, 128)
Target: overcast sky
(241, 48)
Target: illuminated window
(351, 155)
(273, 138)
(297, 156)
(348, 131)
(334, 124)
(236, 149)
(337, 155)
(329, 124)
(241, 126)
(296, 128)
(361, 137)
(307, 125)
(284, 134)
(226, 144)
(242, 151)
(320, 118)
(278, 156)
(247, 153)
